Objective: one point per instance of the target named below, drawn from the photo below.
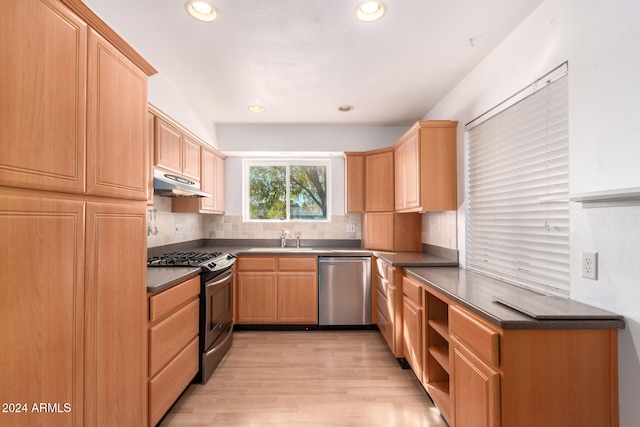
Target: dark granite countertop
(161, 278)
(415, 259)
(477, 293)
(397, 259)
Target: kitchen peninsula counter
(478, 293)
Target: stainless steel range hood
(169, 185)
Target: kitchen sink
(279, 249)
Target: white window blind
(517, 192)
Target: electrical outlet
(178, 228)
(590, 265)
(351, 228)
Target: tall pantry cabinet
(73, 183)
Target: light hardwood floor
(315, 378)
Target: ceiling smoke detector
(202, 10)
(369, 11)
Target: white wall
(601, 41)
(299, 139)
(306, 137)
(164, 95)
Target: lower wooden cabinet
(476, 387)
(114, 314)
(277, 290)
(389, 305)
(481, 375)
(257, 297)
(41, 308)
(413, 326)
(173, 344)
(74, 326)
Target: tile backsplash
(232, 227)
(440, 229)
(165, 227)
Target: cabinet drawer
(169, 337)
(382, 304)
(391, 274)
(380, 284)
(163, 304)
(258, 263)
(297, 264)
(477, 336)
(166, 387)
(412, 290)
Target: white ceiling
(304, 58)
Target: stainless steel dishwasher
(344, 291)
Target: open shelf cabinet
(437, 365)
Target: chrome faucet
(283, 238)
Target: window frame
(288, 162)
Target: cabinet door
(438, 177)
(379, 182)
(257, 297)
(378, 231)
(168, 147)
(208, 180)
(355, 183)
(150, 140)
(41, 308)
(383, 316)
(413, 333)
(297, 297)
(43, 64)
(411, 172)
(398, 172)
(115, 315)
(116, 124)
(475, 390)
(218, 186)
(190, 158)
(394, 307)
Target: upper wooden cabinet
(43, 96)
(150, 142)
(212, 182)
(167, 147)
(73, 125)
(175, 151)
(191, 158)
(425, 167)
(355, 182)
(116, 124)
(379, 181)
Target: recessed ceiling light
(345, 108)
(372, 10)
(256, 108)
(202, 10)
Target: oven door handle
(224, 276)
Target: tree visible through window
(294, 190)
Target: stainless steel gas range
(216, 302)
